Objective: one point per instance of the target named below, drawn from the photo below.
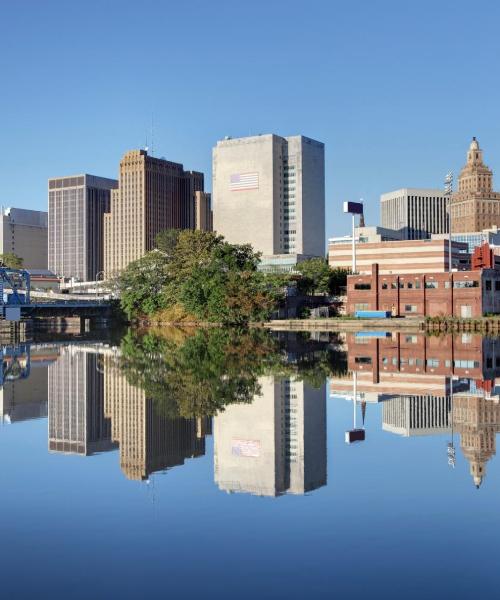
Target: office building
(401, 257)
(475, 206)
(77, 424)
(24, 233)
(153, 194)
(76, 211)
(415, 213)
(365, 235)
(269, 191)
(473, 239)
(203, 211)
(276, 444)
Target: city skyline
(378, 136)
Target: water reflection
(156, 396)
(429, 385)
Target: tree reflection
(196, 373)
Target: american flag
(244, 181)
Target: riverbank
(343, 324)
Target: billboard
(353, 208)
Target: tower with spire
(475, 206)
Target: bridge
(17, 300)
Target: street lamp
(353, 209)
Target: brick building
(466, 294)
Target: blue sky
(395, 89)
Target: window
(466, 284)
(430, 285)
(411, 308)
(384, 286)
(363, 360)
(466, 364)
(497, 286)
(487, 285)
(411, 339)
(394, 285)
(409, 285)
(361, 306)
(417, 284)
(432, 362)
(362, 286)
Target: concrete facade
(269, 191)
(406, 256)
(76, 212)
(367, 235)
(203, 211)
(25, 233)
(475, 206)
(415, 213)
(153, 194)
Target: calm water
(211, 465)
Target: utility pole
(448, 191)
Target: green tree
(338, 280)
(166, 241)
(11, 260)
(142, 283)
(315, 276)
(228, 289)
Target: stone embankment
(345, 324)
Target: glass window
(363, 360)
(429, 285)
(362, 286)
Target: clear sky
(395, 89)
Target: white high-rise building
(269, 191)
(414, 213)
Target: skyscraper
(276, 444)
(76, 210)
(475, 206)
(269, 191)
(24, 233)
(414, 213)
(203, 211)
(153, 194)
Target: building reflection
(477, 420)
(430, 386)
(148, 441)
(23, 385)
(77, 424)
(276, 444)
